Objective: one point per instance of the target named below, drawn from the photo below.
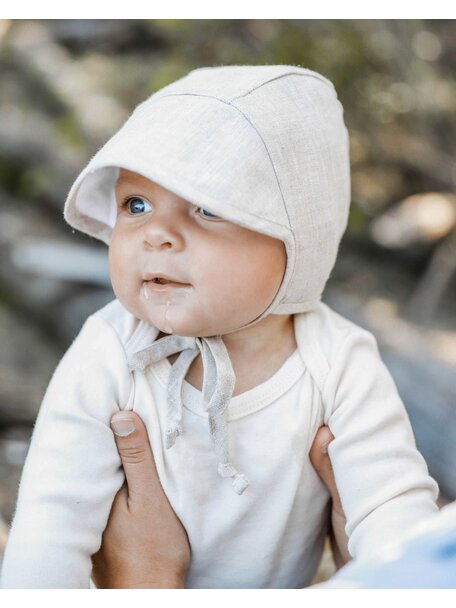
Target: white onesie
(272, 535)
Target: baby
(223, 200)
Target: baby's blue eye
(135, 205)
(207, 213)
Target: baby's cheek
(123, 284)
(115, 274)
(113, 259)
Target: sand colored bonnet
(265, 147)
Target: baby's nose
(163, 232)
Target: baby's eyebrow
(124, 183)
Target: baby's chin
(188, 331)
(176, 322)
(192, 329)
(179, 320)
(190, 323)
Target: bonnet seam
(269, 156)
(308, 75)
(228, 103)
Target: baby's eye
(206, 213)
(135, 204)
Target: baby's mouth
(160, 281)
(160, 278)
(165, 286)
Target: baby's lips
(150, 276)
(168, 289)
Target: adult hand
(322, 464)
(145, 544)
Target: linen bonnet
(264, 147)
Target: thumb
(322, 464)
(136, 455)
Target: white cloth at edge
(272, 535)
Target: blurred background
(67, 85)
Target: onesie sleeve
(382, 479)
(72, 470)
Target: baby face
(227, 275)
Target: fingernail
(122, 427)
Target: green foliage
(34, 181)
(171, 68)
(358, 221)
(68, 131)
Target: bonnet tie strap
(218, 385)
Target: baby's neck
(256, 352)
(260, 342)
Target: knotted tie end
(240, 481)
(172, 433)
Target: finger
(136, 454)
(321, 462)
(338, 558)
(322, 439)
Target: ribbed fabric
(246, 403)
